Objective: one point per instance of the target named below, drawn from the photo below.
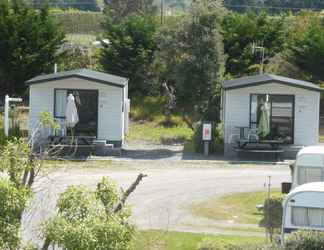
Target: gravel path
(163, 198)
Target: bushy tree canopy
(306, 45)
(190, 57)
(130, 50)
(242, 30)
(28, 44)
(87, 220)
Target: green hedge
(79, 22)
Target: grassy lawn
(237, 208)
(150, 124)
(153, 132)
(154, 239)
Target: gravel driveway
(161, 201)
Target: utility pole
(261, 50)
(162, 10)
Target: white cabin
(101, 99)
(309, 166)
(303, 208)
(294, 109)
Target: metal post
(206, 148)
(6, 116)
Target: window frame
(282, 95)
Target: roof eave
(273, 81)
(32, 82)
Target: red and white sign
(207, 132)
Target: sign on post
(207, 132)
(206, 136)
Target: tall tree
(130, 50)
(242, 30)
(29, 40)
(190, 58)
(306, 45)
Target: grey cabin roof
(268, 78)
(86, 74)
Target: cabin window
(280, 112)
(87, 106)
(60, 103)
(309, 217)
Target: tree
(306, 45)
(91, 219)
(190, 58)
(272, 215)
(130, 51)
(242, 30)
(19, 167)
(29, 40)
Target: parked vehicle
(303, 208)
(309, 166)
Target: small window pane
(60, 102)
(310, 160)
(299, 216)
(315, 216)
(309, 174)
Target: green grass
(155, 133)
(154, 239)
(237, 208)
(81, 39)
(150, 124)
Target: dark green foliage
(217, 143)
(28, 44)
(241, 30)
(272, 215)
(190, 58)
(306, 45)
(305, 240)
(131, 50)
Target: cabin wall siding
(237, 111)
(110, 115)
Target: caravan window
(313, 160)
(309, 217)
(309, 174)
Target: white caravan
(303, 208)
(309, 166)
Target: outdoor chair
(253, 135)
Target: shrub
(87, 219)
(305, 240)
(272, 215)
(12, 203)
(217, 143)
